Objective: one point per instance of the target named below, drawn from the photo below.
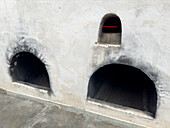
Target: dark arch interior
(112, 25)
(123, 85)
(27, 68)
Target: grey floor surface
(20, 112)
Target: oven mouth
(28, 69)
(123, 85)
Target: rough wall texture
(63, 35)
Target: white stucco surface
(63, 33)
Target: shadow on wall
(28, 69)
(123, 85)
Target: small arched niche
(27, 69)
(123, 85)
(110, 30)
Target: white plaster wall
(64, 34)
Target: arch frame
(30, 45)
(148, 71)
(101, 34)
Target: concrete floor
(21, 112)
